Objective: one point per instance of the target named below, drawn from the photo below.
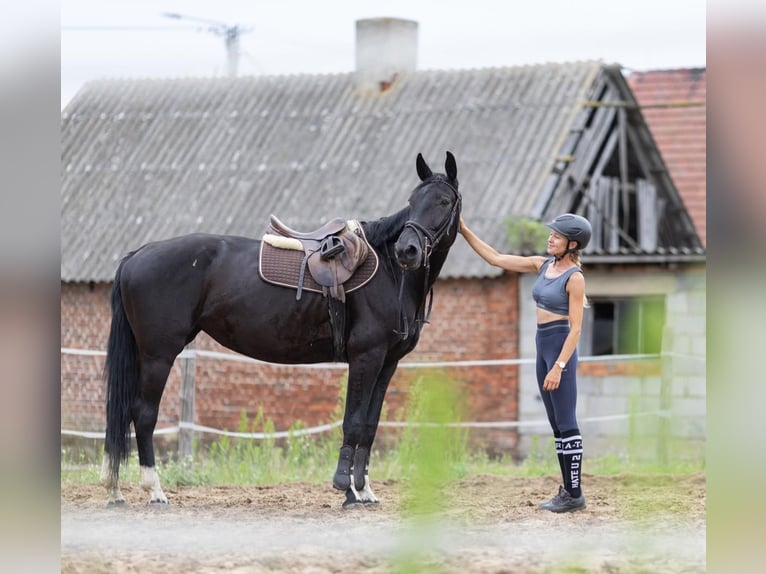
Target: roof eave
(646, 258)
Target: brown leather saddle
(336, 255)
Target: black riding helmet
(574, 228)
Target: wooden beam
(591, 143)
(646, 202)
(558, 185)
(614, 210)
(623, 161)
(606, 155)
(600, 208)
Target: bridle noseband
(428, 240)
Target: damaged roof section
(610, 170)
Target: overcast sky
(132, 38)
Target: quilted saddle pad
(283, 267)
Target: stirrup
(330, 247)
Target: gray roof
(149, 159)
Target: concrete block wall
(684, 346)
(611, 389)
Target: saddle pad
(283, 267)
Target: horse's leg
(362, 456)
(111, 483)
(362, 373)
(154, 375)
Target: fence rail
(186, 425)
(391, 424)
(194, 353)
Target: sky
(134, 39)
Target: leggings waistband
(558, 325)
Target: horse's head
(434, 215)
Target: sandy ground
(488, 524)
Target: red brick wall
(471, 320)
(85, 320)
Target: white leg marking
(150, 482)
(111, 484)
(367, 495)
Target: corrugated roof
(148, 159)
(673, 103)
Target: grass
(233, 461)
(305, 459)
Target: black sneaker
(564, 502)
(553, 501)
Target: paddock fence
(673, 401)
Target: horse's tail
(122, 374)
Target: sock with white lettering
(559, 454)
(571, 447)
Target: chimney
(385, 49)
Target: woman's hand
(552, 379)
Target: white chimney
(385, 49)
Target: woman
(559, 293)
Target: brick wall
(471, 319)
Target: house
(148, 159)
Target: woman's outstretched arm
(517, 263)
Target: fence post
(663, 427)
(186, 435)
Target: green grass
(312, 459)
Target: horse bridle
(428, 241)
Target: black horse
(166, 292)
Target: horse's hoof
(352, 501)
(371, 504)
(116, 503)
(158, 503)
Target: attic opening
(615, 177)
(618, 194)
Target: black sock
(571, 446)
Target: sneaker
(553, 501)
(564, 502)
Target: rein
(428, 241)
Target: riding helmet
(573, 227)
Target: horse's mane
(384, 230)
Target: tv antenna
(229, 33)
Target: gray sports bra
(551, 294)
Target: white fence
(186, 426)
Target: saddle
(332, 254)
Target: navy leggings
(560, 405)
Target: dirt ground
(487, 524)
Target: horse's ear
(451, 166)
(424, 172)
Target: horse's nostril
(411, 251)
